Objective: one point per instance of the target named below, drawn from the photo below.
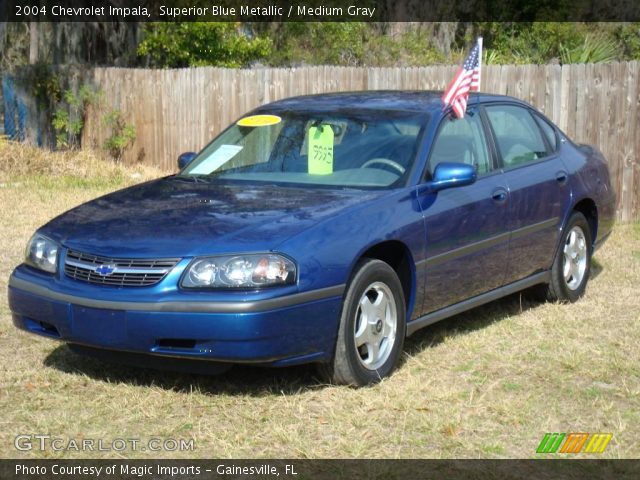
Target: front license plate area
(99, 326)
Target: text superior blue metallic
(249, 255)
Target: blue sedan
(322, 229)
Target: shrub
(122, 134)
(68, 119)
(592, 50)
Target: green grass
(487, 383)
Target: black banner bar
(318, 10)
(319, 469)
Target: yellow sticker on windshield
(259, 121)
(320, 150)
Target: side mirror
(449, 174)
(185, 159)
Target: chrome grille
(118, 272)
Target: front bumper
(290, 329)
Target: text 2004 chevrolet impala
(323, 229)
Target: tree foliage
(233, 44)
(350, 44)
(374, 44)
(559, 42)
(194, 44)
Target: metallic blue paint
(458, 218)
(459, 242)
(185, 159)
(449, 175)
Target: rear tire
(572, 265)
(372, 327)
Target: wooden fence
(181, 110)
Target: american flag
(466, 80)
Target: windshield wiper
(193, 178)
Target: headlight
(240, 271)
(42, 253)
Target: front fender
(328, 251)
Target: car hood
(176, 217)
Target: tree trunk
(445, 36)
(3, 33)
(34, 34)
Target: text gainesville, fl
(143, 470)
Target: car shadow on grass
(596, 269)
(474, 319)
(483, 316)
(240, 380)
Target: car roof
(404, 100)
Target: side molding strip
(433, 317)
(467, 249)
(529, 229)
(487, 243)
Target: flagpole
(479, 60)
(467, 80)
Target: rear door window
(518, 135)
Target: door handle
(499, 195)
(562, 177)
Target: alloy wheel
(575, 258)
(375, 325)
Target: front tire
(572, 265)
(372, 327)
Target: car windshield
(366, 149)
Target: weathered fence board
(180, 110)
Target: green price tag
(320, 150)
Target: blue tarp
(15, 111)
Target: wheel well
(588, 208)
(397, 256)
